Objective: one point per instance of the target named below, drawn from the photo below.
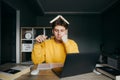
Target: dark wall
(27, 15)
(111, 22)
(86, 30)
(8, 33)
(0, 31)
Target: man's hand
(65, 38)
(41, 38)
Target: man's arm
(38, 53)
(71, 46)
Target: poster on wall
(27, 47)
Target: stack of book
(110, 72)
(14, 72)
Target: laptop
(76, 64)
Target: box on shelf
(27, 47)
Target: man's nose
(59, 32)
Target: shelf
(28, 35)
(28, 39)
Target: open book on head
(59, 16)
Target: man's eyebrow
(60, 29)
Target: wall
(0, 31)
(27, 18)
(27, 15)
(86, 30)
(111, 22)
(8, 33)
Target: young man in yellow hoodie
(54, 50)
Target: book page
(45, 66)
(20, 67)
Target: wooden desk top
(43, 75)
(49, 75)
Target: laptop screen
(78, 64)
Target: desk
(43, 75)
(49, 75)
(87, 76)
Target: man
(54, 50)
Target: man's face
(59, 31)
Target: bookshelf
(27, 40)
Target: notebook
(76, 64)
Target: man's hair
(60, 22)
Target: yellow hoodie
(51, 51)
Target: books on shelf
(14, 72)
